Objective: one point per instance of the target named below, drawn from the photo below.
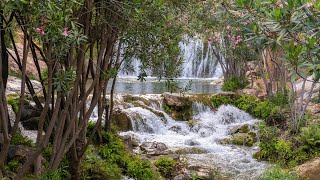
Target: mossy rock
(178, 107)
(244, 139)
(193, 150)
(130, 99)
(240, 129)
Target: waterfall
(198, 61)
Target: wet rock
(30, 116)
(176, 129)
(191, 142)
(19, 152)
(310, 169)
(131, 98)
(121, 120)
(154, 148)
(217, 81)
(128, 142)
(31, 124)
(181, 177)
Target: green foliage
(13, 100)
(139, 169)
(63, 80)
(264, 109)
(114, 150)
(220, 100)
(59, 174)
(280, 99)
(311, 136)
(165, 166)
(246, 103)
(19, 139)
(286, 152)
(12, 165)
(93, 167)
(167, 109)
(233, 84)
(278, 173)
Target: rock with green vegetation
(178, 107)
(242, 139)
(132, 98)
(240, 129)
(166, 166)
(192, 150)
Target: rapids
(207, 130)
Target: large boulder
(310, 169)
(121, 120)
(178, 107)
(19, 152)
(154, 148)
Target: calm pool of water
(154, 86)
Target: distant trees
(282, 34)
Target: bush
(140, 169)
(264, 109)
(165, 166)
(278, 173)
(220, 100)
(93, 167)
(59, 174)
(115, 152)
(311, 136)
(280, 99)
(233, 84)
(246, 103)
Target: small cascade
(205, 132)
(145, 121)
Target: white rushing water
(208, 129)
(198, 61)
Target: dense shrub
(278, 173)
(311, 136)
(233, 84)
(286, 152)
(93, 167)
(246, 103)
(165, 166)
(264, 109)
(114, 150)
(220, 100)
